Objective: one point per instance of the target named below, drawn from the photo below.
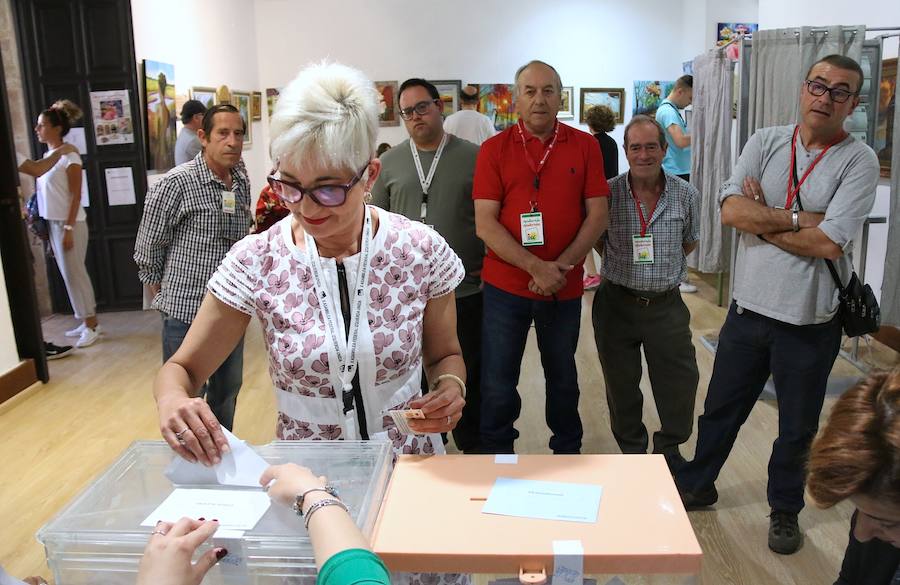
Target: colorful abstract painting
(725, 31)
(495, 100)
(649, 94)
(390, 114)
(159, 95)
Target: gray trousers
(71, 266)
(660, 322)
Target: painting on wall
(204, 95)
(495, 100)
(256, 105)
(449, 92)
(611, 97)
(566, 104)
(649, 94)
(159, 95)
(726, 31)
(390, 115)
(241, 100)
(884, 115)
(272, 99)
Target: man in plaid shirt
(191, 219)
(653, 226)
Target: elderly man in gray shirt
(799, 195)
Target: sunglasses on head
(325, 195)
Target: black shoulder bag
(857, 306)
(37, 224)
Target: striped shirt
(185, 233)
(674, 222)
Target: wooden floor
(55, 438)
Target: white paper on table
(120, 186)
(75, 137)
(85, 199)
(240, 467)
(234, 509)
(546, 500)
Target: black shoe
(54, 352)
(674, 461)
(699, 499)
(785, 537)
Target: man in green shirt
(428, 178)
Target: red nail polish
(215, 519)
(201, 519)
(220, 554)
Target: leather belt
(645, 298)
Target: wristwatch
(795, 220)
(68, 227)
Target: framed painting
(204, 95)
(241, 100)
(390, 114)
(272, 99)
(612, 97)
(159, 97)
(566, 104)
(256, 105)
(649, 94)
(884, 115)
(448, 89)
(726, 31)
(495, 100)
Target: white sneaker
(76, 332)
(687, 287)
(80, 329)
(88, 337)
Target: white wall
(593, 43)
(210, 43)
(9, 355)
(872, 13)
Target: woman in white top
(59, 202)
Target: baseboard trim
(17, 379)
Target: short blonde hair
(327, 115)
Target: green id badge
(642, 249)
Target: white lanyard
(341, 359)
(423, 180)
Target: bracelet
(322, 504)
(795, 220)
(298, 502)
(457, 379)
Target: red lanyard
(536, 169)
(645, 223)
(791, 189)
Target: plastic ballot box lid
(432, 518)
(98, 537)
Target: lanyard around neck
(537, 168)
(342, 352)
(425, 181)
(645, 223)
(793, 190)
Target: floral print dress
(268, 275)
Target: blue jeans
(221, 390)
(799, 357)
(507, 318)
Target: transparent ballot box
(641, 535)
(98, 537)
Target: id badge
(532, 229)
(642, 249)
(424, 211)
(229, 202)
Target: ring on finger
(179, 434)
(448, 419)
(160, 532)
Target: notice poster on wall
(112, 117)
(120, 186)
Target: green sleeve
(354, 566)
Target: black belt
(642, 297)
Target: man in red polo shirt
(540, 204)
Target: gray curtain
(711, 161)
(780, 59)
(890, 286)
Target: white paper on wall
(120, 186)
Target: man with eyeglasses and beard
(192, 217)
(428, 178)
(799, 195)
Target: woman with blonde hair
(59, 202)
(857, 457)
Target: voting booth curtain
(890, 286)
